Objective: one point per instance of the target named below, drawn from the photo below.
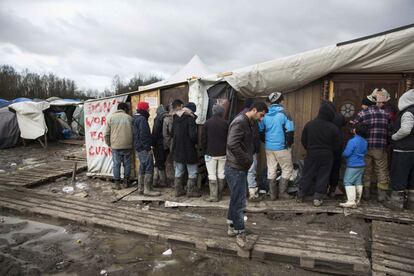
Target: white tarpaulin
(30, 118)
(389, 53)
(99, 155)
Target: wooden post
(409, 82)
(75, 164)
(325, 89)
(331, 91)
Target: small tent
(9, 129)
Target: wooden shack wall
(303, 105)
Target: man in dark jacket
(143, 143)
(339, 122)
(214, 140)
(160, 153)
(184, 133)
(402, 166)
(239, 158)
(320, 138)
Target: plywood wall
(303, 105)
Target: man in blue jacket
(278, 129)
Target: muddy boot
(410, 202)
(273, 189)
(179, 189)
(155, 178)
(115, 185)
(221, 184)
(397, 201)
(359, 191)
(366, 194)
(125, 183)
(241, 240)
(213, 185)
(141, 178)
(192, 189)
(351, 197)
(147, 186)
(253, 196)
(382, 195)
(283, 186)
(317, 202)
(163, 178)
(230, 231)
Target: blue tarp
(4, 103)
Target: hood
(143, 112)
(326, 112)
(160, 110)
(274, 109)
(406, 100)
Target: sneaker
(317, 202)
(231, 232)
(241, 240)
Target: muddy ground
(36, 245)
(40, 246)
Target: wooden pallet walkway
(392, 249)
(333, 252)
(40, 174)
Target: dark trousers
(237, 181)
(160, 156)
(146, 162)
(336, 167)
(402, 171)
(316, 174)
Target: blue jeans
(180, 170)
(146, 162)
(121, 157)
(251, 175)
(353, 176)
(237, 181)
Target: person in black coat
(339, 121)
(160, 153)
(184, 133)
(320, 138)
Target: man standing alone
(118, 136)
(239, 158)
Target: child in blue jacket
(355, 152)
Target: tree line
(14, 84)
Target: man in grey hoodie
(402, 166)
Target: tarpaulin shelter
(9, 129)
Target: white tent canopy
(195, 68)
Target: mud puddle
(29, 247)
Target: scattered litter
(194, 216)
(78, 241)
(68, 189)
(2, 220)
(81, 194)
(353, 233)
(167, 252)
(103, 271)
(245, 218)
(262, 192)
(2, 171)
(13, 164)
(254, 223)
(146, 208)
(81, 185)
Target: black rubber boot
(192, 189)
(273, 189)
(283, 185)
(213, 185)
(178, 184)
(397, 201)
(147, 186)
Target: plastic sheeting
(389, 53)
(30, 118)
(9, 129)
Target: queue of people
(230, 152)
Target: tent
(9, 129)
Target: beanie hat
(218, 110)
(160, 109)
(191, 106)
(143, 106)
(367, 102)
(381, 95)
(274, 97)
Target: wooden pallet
(40, 174)
(392, 249)
(376, 211)
(332, 252)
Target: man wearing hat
(143, 143)
(378, 121)
(279, 130)
(184, 133)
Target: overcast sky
(91, 41)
